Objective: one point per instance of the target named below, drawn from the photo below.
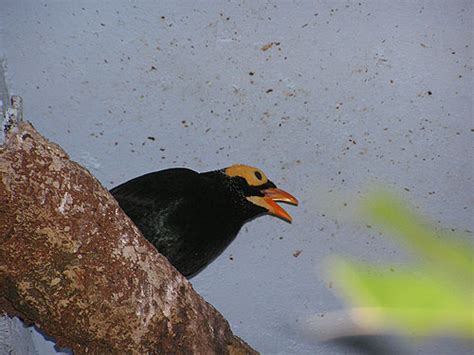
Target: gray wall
(363, 93)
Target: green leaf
(444, 250)
(414, 303)
(435, 296)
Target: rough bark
(74, 264)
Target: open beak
(270, 199)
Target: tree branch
(75, 265)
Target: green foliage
(433, 296)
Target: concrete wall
(328, 98)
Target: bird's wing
(144, 192)
(159, 204)
(164, 182)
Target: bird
(192, 217)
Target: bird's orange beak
(274, 195)
(270, 199)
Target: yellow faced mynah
(192, 217)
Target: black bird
(192, 217)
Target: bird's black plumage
(189, 217)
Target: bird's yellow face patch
(253, 176)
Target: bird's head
(259, 191)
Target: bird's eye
(258, 175)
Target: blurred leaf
(436, 296)
(442, 249)
(418, 305)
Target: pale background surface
(351, 94)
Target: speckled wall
(328, 98)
